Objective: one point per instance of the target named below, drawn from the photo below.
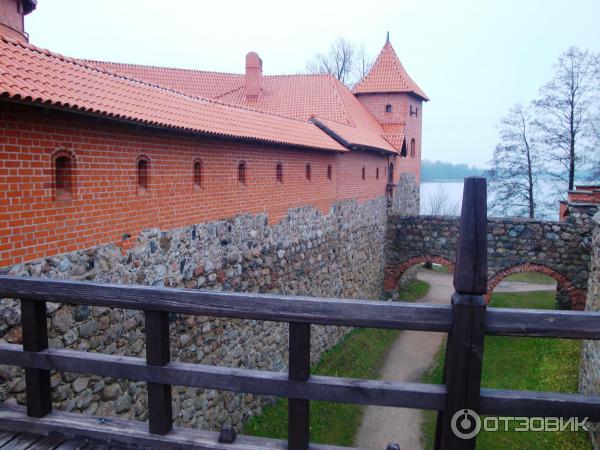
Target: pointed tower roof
(388, 75)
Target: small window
(388, 108)
(63, 177)
(363, 173)
(198, 174)
(391, 173)
(413, 149)
(377, 173)
(308, 172)
(242, 172)
(143, 173)
(329, 172)
(279, 172)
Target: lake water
(453, 190)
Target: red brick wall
(106, 203)
(11, 20)
(401, 104)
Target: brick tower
(12, 15)
(395, 100)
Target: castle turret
(396, 101)
(12, 17)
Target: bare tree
(515, 166)
(343, 61)
(439, 204)
(563, 111)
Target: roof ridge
(152, 66)
(100, 69)
(218, 72)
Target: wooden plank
(6, 436)
(278, 308)
(470, 274)
(35, 339)
(533, 322)
(299, 370)
(463, 366)
(73, 444)
(160, 412)
(22, 442)
(47, 443)
(539, 404)
(122, 433)
(347, 390)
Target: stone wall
(559, 249)
(307, 253)
(589, 375)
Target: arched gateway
(558, 249)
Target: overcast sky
(473, 58)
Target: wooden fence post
(464, 351)
(35, 339)
(299, 370)
(160, 412)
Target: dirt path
(409, 357)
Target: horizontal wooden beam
(343, 390)
(542, 323)
(279, 308)
(511, 403)
(117, 432)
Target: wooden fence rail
(467, 320)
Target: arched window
(307, 172)
(329, 172)
(63, 177)
(197, 173)
(391, 173)
(377, 173)
(363, 173)
(143, 173)
(279, 172)
(413, 149)
(242, 172)
(388, 108)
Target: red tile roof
(31, 74)
(394, 134)
(388, 75)
(197, 83)
(354, 137)
(295, 96)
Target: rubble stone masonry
(339, 254)
(589, 374)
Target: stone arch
(393, 273)
(577, 296)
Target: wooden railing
(467, 320)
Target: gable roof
(299, 97)
(33, 75)
(388, 75)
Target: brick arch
(577, 296)
(393, 273)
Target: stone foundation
(335, 255)
(589, 374)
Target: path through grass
(522, 363)
(361, 354)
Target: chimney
(12, 17)
(253, 84)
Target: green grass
(414, 290)
(531, 277)
(521, 363)
(361, 354)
